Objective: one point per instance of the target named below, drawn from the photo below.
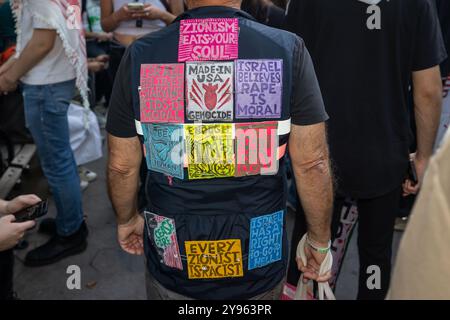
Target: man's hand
(19, 203)
(314, 260)
(11, 233)
(421, 165)
(124, 161)
(130, 235)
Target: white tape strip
(284, 127)
(139, 128)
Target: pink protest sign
(208, 39)
(256, 148)
(162, 93)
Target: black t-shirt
(218, 206)
(307, 106)
(364, 76)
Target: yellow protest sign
(210, 151)
(214, 259)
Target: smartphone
(31, 213)
(412, 172)
(135, 6)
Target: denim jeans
(46, 118)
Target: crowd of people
(350, 93)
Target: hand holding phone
(417, 167)
(31, 213)
(11, 233)
(135, 6)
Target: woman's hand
(104, 36)
(151, 12)
(124, 14)
(7, 65)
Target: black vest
(215, 226)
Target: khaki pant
(155, 291)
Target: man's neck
(209, 3)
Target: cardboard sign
(259, 86)
(209, 87)
(266, 240)
(163, 236)
(208, 39)
(162, 93)
(210, 151)
(164, 148)
(214, 259)
(256, 148)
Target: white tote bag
(85, 138)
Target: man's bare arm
(125, 156)
(427, 91)
(41, 43)
(427, 86)
(308, 149)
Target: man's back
(364, 57)
(234, 109)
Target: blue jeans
(46, 118)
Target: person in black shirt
(365, 55)
(265, 11)
(232, 213)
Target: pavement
(108, 273)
